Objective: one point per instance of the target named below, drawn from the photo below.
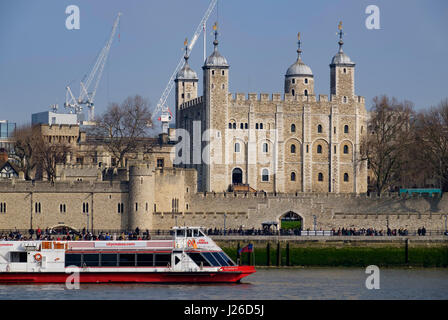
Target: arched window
(234, 125)
(319, 148)
(345, 70)
(345, 99)
(265, 148)
(320, 176)
(245, 125)
(346, 129)
(319, 128)
(306, 80)
(293, 176)
(293, 81)
(237, 147)
(256, 126)
(241, 125)
(265, 175)
(293, 148)
(230, 125)
(346, 149)
(261, 125)
(345, 177)
(293, 128)
(293, 92)
(305, 92)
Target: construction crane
(87, 90)
(165, 114)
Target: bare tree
(388, 137)
(121, 126)
(49, 154)
(24, 146)
(432, 137)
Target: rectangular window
(162, 259)
(62, 208)
(73, 259)
(108, 259)
(91, 259)
(20, 257)
(145, 259)
(127, 260)
(160, 163)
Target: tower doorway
(237, 176)
(291, 221)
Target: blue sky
(406, 58)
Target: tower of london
(293, 142)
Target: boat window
(198, 259)
(189, 233)
(226, 258)
(127, 260)
(210, 258)
(218, 257)
(73, 259)
(201, 234)
(195, 233)
(145, 259)
(91, 259)
(18, 256)
(162, 259)
(109, 259)
(180, 233)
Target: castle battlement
(278, 97)
(192, 103)
(14, 186)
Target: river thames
(265, 284)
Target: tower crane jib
(161, 105)
(87, 92)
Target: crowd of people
(66, 234)
(370, 232)
(63, 234)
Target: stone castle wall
(166, 196)
(331, 211)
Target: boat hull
(129, 277)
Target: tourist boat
(189, 257)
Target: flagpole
(253, 252)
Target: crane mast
(87, 97)
(161, 107)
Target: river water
(265, 284)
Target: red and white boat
(190, 257)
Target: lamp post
(314, 218)
(225, 216)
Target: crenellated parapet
(192, 103)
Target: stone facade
(296, 142)
(159, 198)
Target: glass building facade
(6, 134)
